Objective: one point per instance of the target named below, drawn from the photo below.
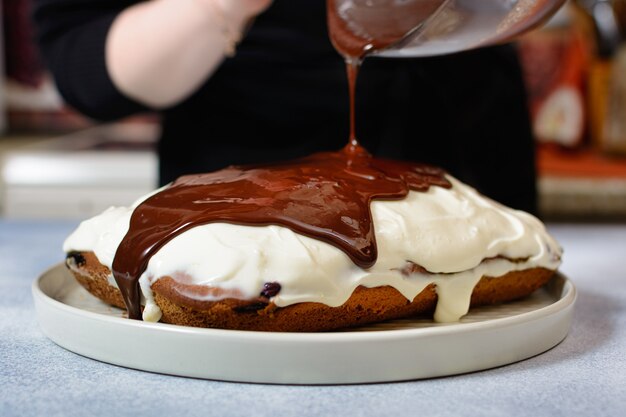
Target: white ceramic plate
(394, 351)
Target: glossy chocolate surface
(358, 27)
(325, 196)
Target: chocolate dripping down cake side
(311, 245)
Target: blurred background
(55, 163)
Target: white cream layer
(449, 232)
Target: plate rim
(305, 358)
(568, 298)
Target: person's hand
(242, 10)
(173, 63)
(234, 17)
(253, 7)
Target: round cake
(435, 249)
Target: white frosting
(449, 232)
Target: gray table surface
(584, 375)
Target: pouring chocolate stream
(325, 196)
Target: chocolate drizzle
(325, 196)
(358, 27)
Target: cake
(335, 240)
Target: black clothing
(285, 95)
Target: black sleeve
(71, 35)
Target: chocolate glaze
(358, 27)
(325, 196)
